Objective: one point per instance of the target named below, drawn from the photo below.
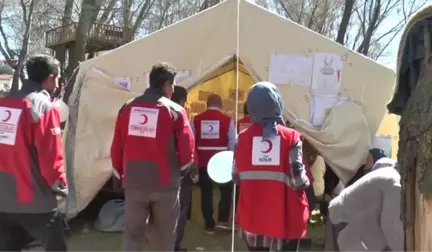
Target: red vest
(211, 134)
(243, 123)
(267, 203)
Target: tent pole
(236, 115)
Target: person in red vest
(214, 132)
(268, 165)
(245, 122)
(33, 182)
(152, 149)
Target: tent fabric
(211, 43)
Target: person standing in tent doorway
(180, 97)
(152, 148)
(32, 174)
(268, 164)
(214, 132)
(244, 122)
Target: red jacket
(211, 134)
(152, 143)
(31, 152)
(268, 205)
(243, 123)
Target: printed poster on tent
(327, 74)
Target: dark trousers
(206, 186)
(189, 214)
(17, 230)
(289, 245)
(163, 207)
(185, 200)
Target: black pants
(18, 230)
(206, 186)
(189, 214)
(290, 245)
(185, 199)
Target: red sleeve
(49, 146)
(185, 140)
(117, 145)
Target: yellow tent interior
(223, 82)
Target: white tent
(203, 48)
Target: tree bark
(343, 26)
(88, 15)
(67, 19)
(414, 155)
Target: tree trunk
(343, 26)
(18, 74)
(373, 24)
(88, 15)
(67, 19)
(415, 160)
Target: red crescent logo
(9, 115)
(270, 146)
(211, 128)
(145, 119)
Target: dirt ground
(83, 237)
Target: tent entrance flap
(221, 81)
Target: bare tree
(353, 23)
(16, 58)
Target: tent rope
(237, 58)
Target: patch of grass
(85, 238)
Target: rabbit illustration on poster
(327, 74)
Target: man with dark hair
(32, 173)
(152, 148)
(162, 77)
(180, 97)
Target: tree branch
(142, 15)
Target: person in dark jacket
(32, 175)
(180, 97)
(152, 148)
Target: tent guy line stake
(236, 118)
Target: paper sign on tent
(327, 74)
(124, 82)
(290, 69)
